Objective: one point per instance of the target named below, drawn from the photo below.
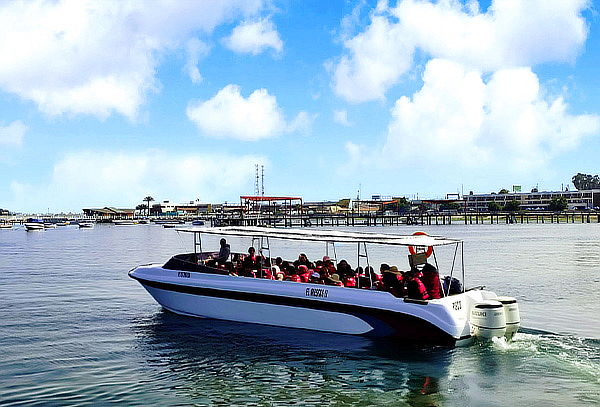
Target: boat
(49, 225)
(86, 225)
(123, 222)
(197, 222)
(62, 224)
(186, 285)
(6, 225)
(34, 226)
(169, 222)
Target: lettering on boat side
(183, 274)
(317, 292)
(457, 305)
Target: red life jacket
(349, 282)
(417, 290)
(431, 280)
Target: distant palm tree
(148, 199)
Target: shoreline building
(109, 212)
(576, 200)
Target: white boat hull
(34, 226)
(310, 306)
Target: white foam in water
(519, 342)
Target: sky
(105, 102)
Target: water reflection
(217, 360)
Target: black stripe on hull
(385, 323)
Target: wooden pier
(355, 219)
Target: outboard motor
(511, 314)
(487, 319)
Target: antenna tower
(262, 180)
(256, 179)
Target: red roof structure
(269, 198)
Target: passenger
(303, 273)
(328, 264)
(431, 280)
(277, 273)
(302, 260)
(315, 278)
(350, 281)
(285, 267)
(279, 262)
(293, 275)
(344, 269)
(222, 257)
(414, 286)
(251, 262)
(392, 281)
(334, 280)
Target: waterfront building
(109, 212)
(167, 208)
(576, 200)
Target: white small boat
(62, 224)
(34, 226)
(6, 225)
(123, 222)
(86, 225)
(187, 285)
(49, 226)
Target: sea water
(75, 330)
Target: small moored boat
(86, 225)
(34, 226)
(123, 222)
(190, 285)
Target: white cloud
(341, 117)
(195, 49)
(511, 33)
(459, 119)
(229, 115)
(12, 134)
(99, 178)
(254, 37)
(378, 57)
(98, 58)
(302, 123)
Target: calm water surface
(75, 330)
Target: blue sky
(103, 103)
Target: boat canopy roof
(319, 235)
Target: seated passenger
(302, 261)
(328, 264)
(303, 273)
(334, 280)
(350, 281)
(414, 286)
(393, 281)
(293, 275)
(277, 273)
(251, 262)
(431, 280)
(315, 278)
(222, 257)
(344, 269)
